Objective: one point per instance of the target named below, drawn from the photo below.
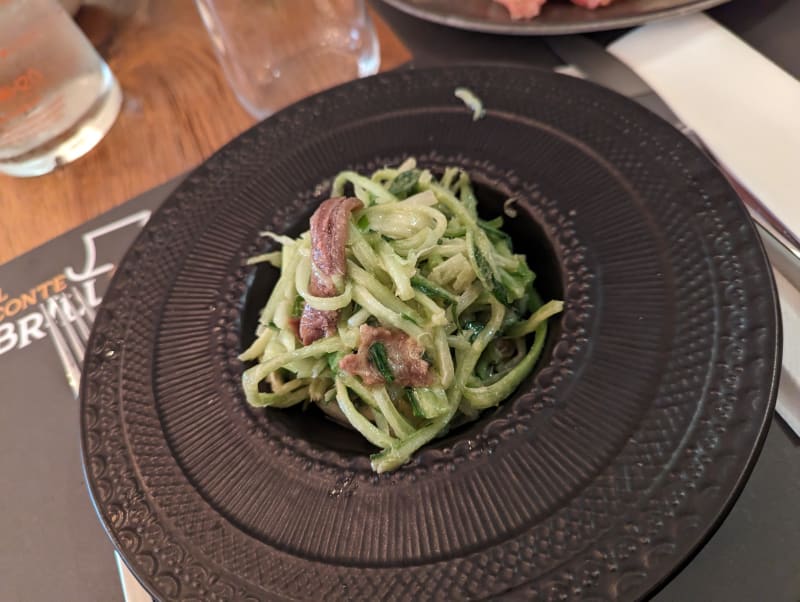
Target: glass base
(308, 72)
(73, 143)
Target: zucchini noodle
(422, 265)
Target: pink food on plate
(522, 9)
(527, 9)
(592, 3)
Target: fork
(69, 323)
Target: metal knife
(602, 67)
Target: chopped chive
(379, 359)
(434, 291)
(412, 399)
(403, 185)
(493, 231)
(474, 329)
(499, 290)
(297, 306)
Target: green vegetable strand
(422, 260)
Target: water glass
(274, 52)
(57, 96)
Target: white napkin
(744, 107)
(747, 110)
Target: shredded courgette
(420, 261)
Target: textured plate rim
(763, 429)
(705, 533)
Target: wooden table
(178, 110)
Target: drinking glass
(274, 52)
(57, 96)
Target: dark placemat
(54, 548)
(48, 520)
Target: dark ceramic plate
(602, 474)
(557, 16)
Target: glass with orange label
(58, 98)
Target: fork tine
(64, 320)
(90, 313)
(83, 327)
(71, 366)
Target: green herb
(297, 306)
(405, 183)
(379, 359)
(493, 231)
(363, 223)
(433, 291)
(412, 399)
(487, 276)
(500, 292)
(474, 328)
